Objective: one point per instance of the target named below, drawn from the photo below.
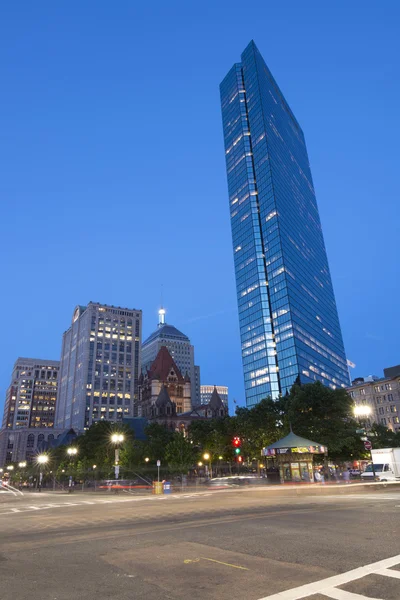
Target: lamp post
(21, 465)
(72, 452)
(42, 460)
(207, 457)
(117, 439)
(363, 412)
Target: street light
(117, 439)
(207, 457)
(71, 451)
(10, 468)
(41, 459)
(363, 410)
(146, 459)
(22, 465)
(199, 464)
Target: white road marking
(15, 510)
(337, 594)
(328, 587)
(389, 573)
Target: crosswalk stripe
(329, 587)
(337, 594)
(389, 573)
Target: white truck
(386, 465)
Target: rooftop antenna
(161, 312)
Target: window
(388, 386)
(362, 392)
(393, 408)
(381, 410)
(390, 397)
(31, 441)
(383, 421)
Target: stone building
(164, 396)
(382, 396)
(163, 379)
(180, 348)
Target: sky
(112, 169)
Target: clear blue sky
(113, 177)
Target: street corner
(199, 570)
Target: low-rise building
(25, 443)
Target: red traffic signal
(236, 442)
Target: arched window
(40, 438)
(51, 437)
(31, 441)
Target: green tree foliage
(214, 436)
(257, 427)
(384, 437)
(158, 438)
(180, 454)
(325, 416)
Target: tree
(325, 416)
(258, 426)
(213, 436)
(158, 438)
(180, 454)
(94, 448)
(383, 437)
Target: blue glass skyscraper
(289, 324)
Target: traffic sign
(159, 463)
(368, 445)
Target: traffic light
(239, 459)
(236, 443)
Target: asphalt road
(210, 546)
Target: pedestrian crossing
(332, 587)
(97, 501)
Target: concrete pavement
(213, 545)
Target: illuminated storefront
(293, 456)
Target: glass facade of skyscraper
(289, 324)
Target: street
(250, 544)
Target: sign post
(368, 446)
(158, 470)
